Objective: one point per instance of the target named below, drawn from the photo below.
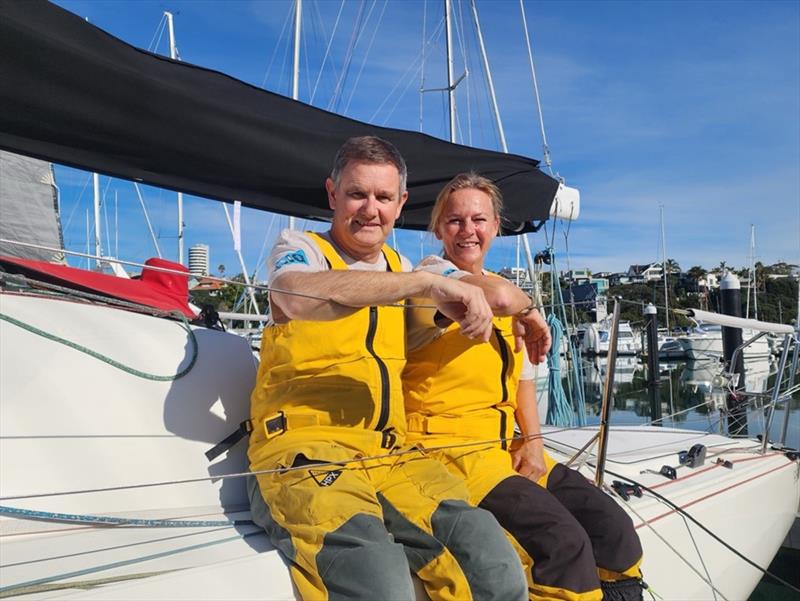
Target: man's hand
(464, 304)
(528, 459)
(531, 330)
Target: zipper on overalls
(383, 417)
(501, 343)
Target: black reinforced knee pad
(615, 543)
(559, 546)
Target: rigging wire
(420, 58)
(77, 202)
(348, 58)
(156, 39)
(375, 29)
(355, 463)
(545, 148)
(327, 53)
(278, 42)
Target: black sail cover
(73, 94)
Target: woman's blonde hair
(465, 181)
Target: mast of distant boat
(98, 245)
(753, 283)
(298, 15)
(664, 269)
(451, 88)
(173, 54)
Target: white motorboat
(705, 342)
(596, 338)
(669, 347)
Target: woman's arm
(528, 457)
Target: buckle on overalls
(388, 438)
(275, 425)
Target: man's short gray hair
(369, 149)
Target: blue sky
(691, 105)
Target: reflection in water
(685, 388)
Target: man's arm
(329, 295)
(506, 299)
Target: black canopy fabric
(73, 94)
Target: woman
(575, 542)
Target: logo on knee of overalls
(325, 478)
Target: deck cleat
(625, 490)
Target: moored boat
(105, 487)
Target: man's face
(366, 202)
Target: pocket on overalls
(322, 485)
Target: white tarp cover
(29, 208)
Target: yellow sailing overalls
(460, 391)
(331, 392)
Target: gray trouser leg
(475, 539)
(359, 561)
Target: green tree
(696, 272)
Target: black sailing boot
(629, 589)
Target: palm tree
(696, 272)
(673, 267)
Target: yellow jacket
(344, 372)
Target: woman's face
(467, 227)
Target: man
(348, 509)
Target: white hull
(745, 506)
(70, 422)
(709, 346)
(596, 337)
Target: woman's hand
(531, 330)
(528, 459)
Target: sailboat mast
(173, 54)
(98, 249)
(298, 17)
(664, 269)
(88, 247)
(451, 90)
(753, 280)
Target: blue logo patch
(298, 256)
(447, 272)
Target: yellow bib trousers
(355, 529)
